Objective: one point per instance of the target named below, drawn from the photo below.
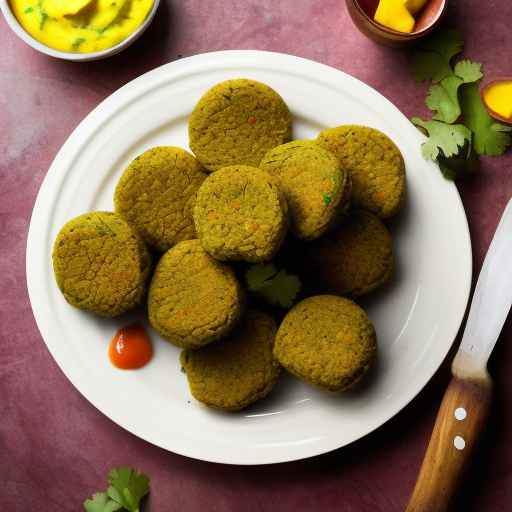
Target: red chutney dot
(252, 120)
(130, 348)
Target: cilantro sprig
(444, 139)
(443, 98)
(432, 58)
(126, 489)
(277, 287)
(100, 502)
(460, 128)
(489, 137)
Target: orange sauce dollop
(130, 348)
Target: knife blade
(491, 301)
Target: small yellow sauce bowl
(77, 57)
(483, 94)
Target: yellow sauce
(80, 26)
(398, 14)
(498, 98)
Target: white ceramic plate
(416, 318)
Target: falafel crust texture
(156, 194)
(374, 163)
(236, 122)
(316, 188)
(241, 214)
(353, 260)
(193, 298)
(101, 264)
(237, 371)
(327, 341)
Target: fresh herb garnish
(100, 502)
(44, 18)
(445, 139)
(327, 199)
(443, 98)
(126, 489)
(489, 137)
(277, 287)
(77, 42)
(28, 10)
(431, 60)
(460, 128)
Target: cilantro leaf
(282, 290)
(127, 487)
(431, 60)
(100, 502)
(468, 71)
(489, 137)
(258, 275)
(430, 66)
(497, 127)
(443, 98)
(447, 43)
(444, 139)
(77, 42)
(277, 287)
(465, 162)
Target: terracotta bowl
(362, 12)
(495, 115)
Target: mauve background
(55, 448)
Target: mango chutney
(80, 26)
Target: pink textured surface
(55, 448)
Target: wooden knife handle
(459, 423)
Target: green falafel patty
(374, 163)
(236, 122)
(241, 214)
(101, 264)
(156, 194)
(327, 341)
(237, 371)
(193, 298)
(316, 188)
(353, 260)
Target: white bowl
(79, 57)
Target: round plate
(416, 318)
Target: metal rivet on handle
(459, 442)
(460, 413)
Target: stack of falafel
(246, 190)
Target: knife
(465, 405)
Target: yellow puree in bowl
(80, 26)
(499, 98)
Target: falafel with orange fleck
(374, 163)
(156, 194)
(353, 260)
(241, 214)
(237, 371)
(193, 299)
(316, 187)
(327, 341)
(101, 264)
(236, 122)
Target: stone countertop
(55, 448)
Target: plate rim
(254, 58)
